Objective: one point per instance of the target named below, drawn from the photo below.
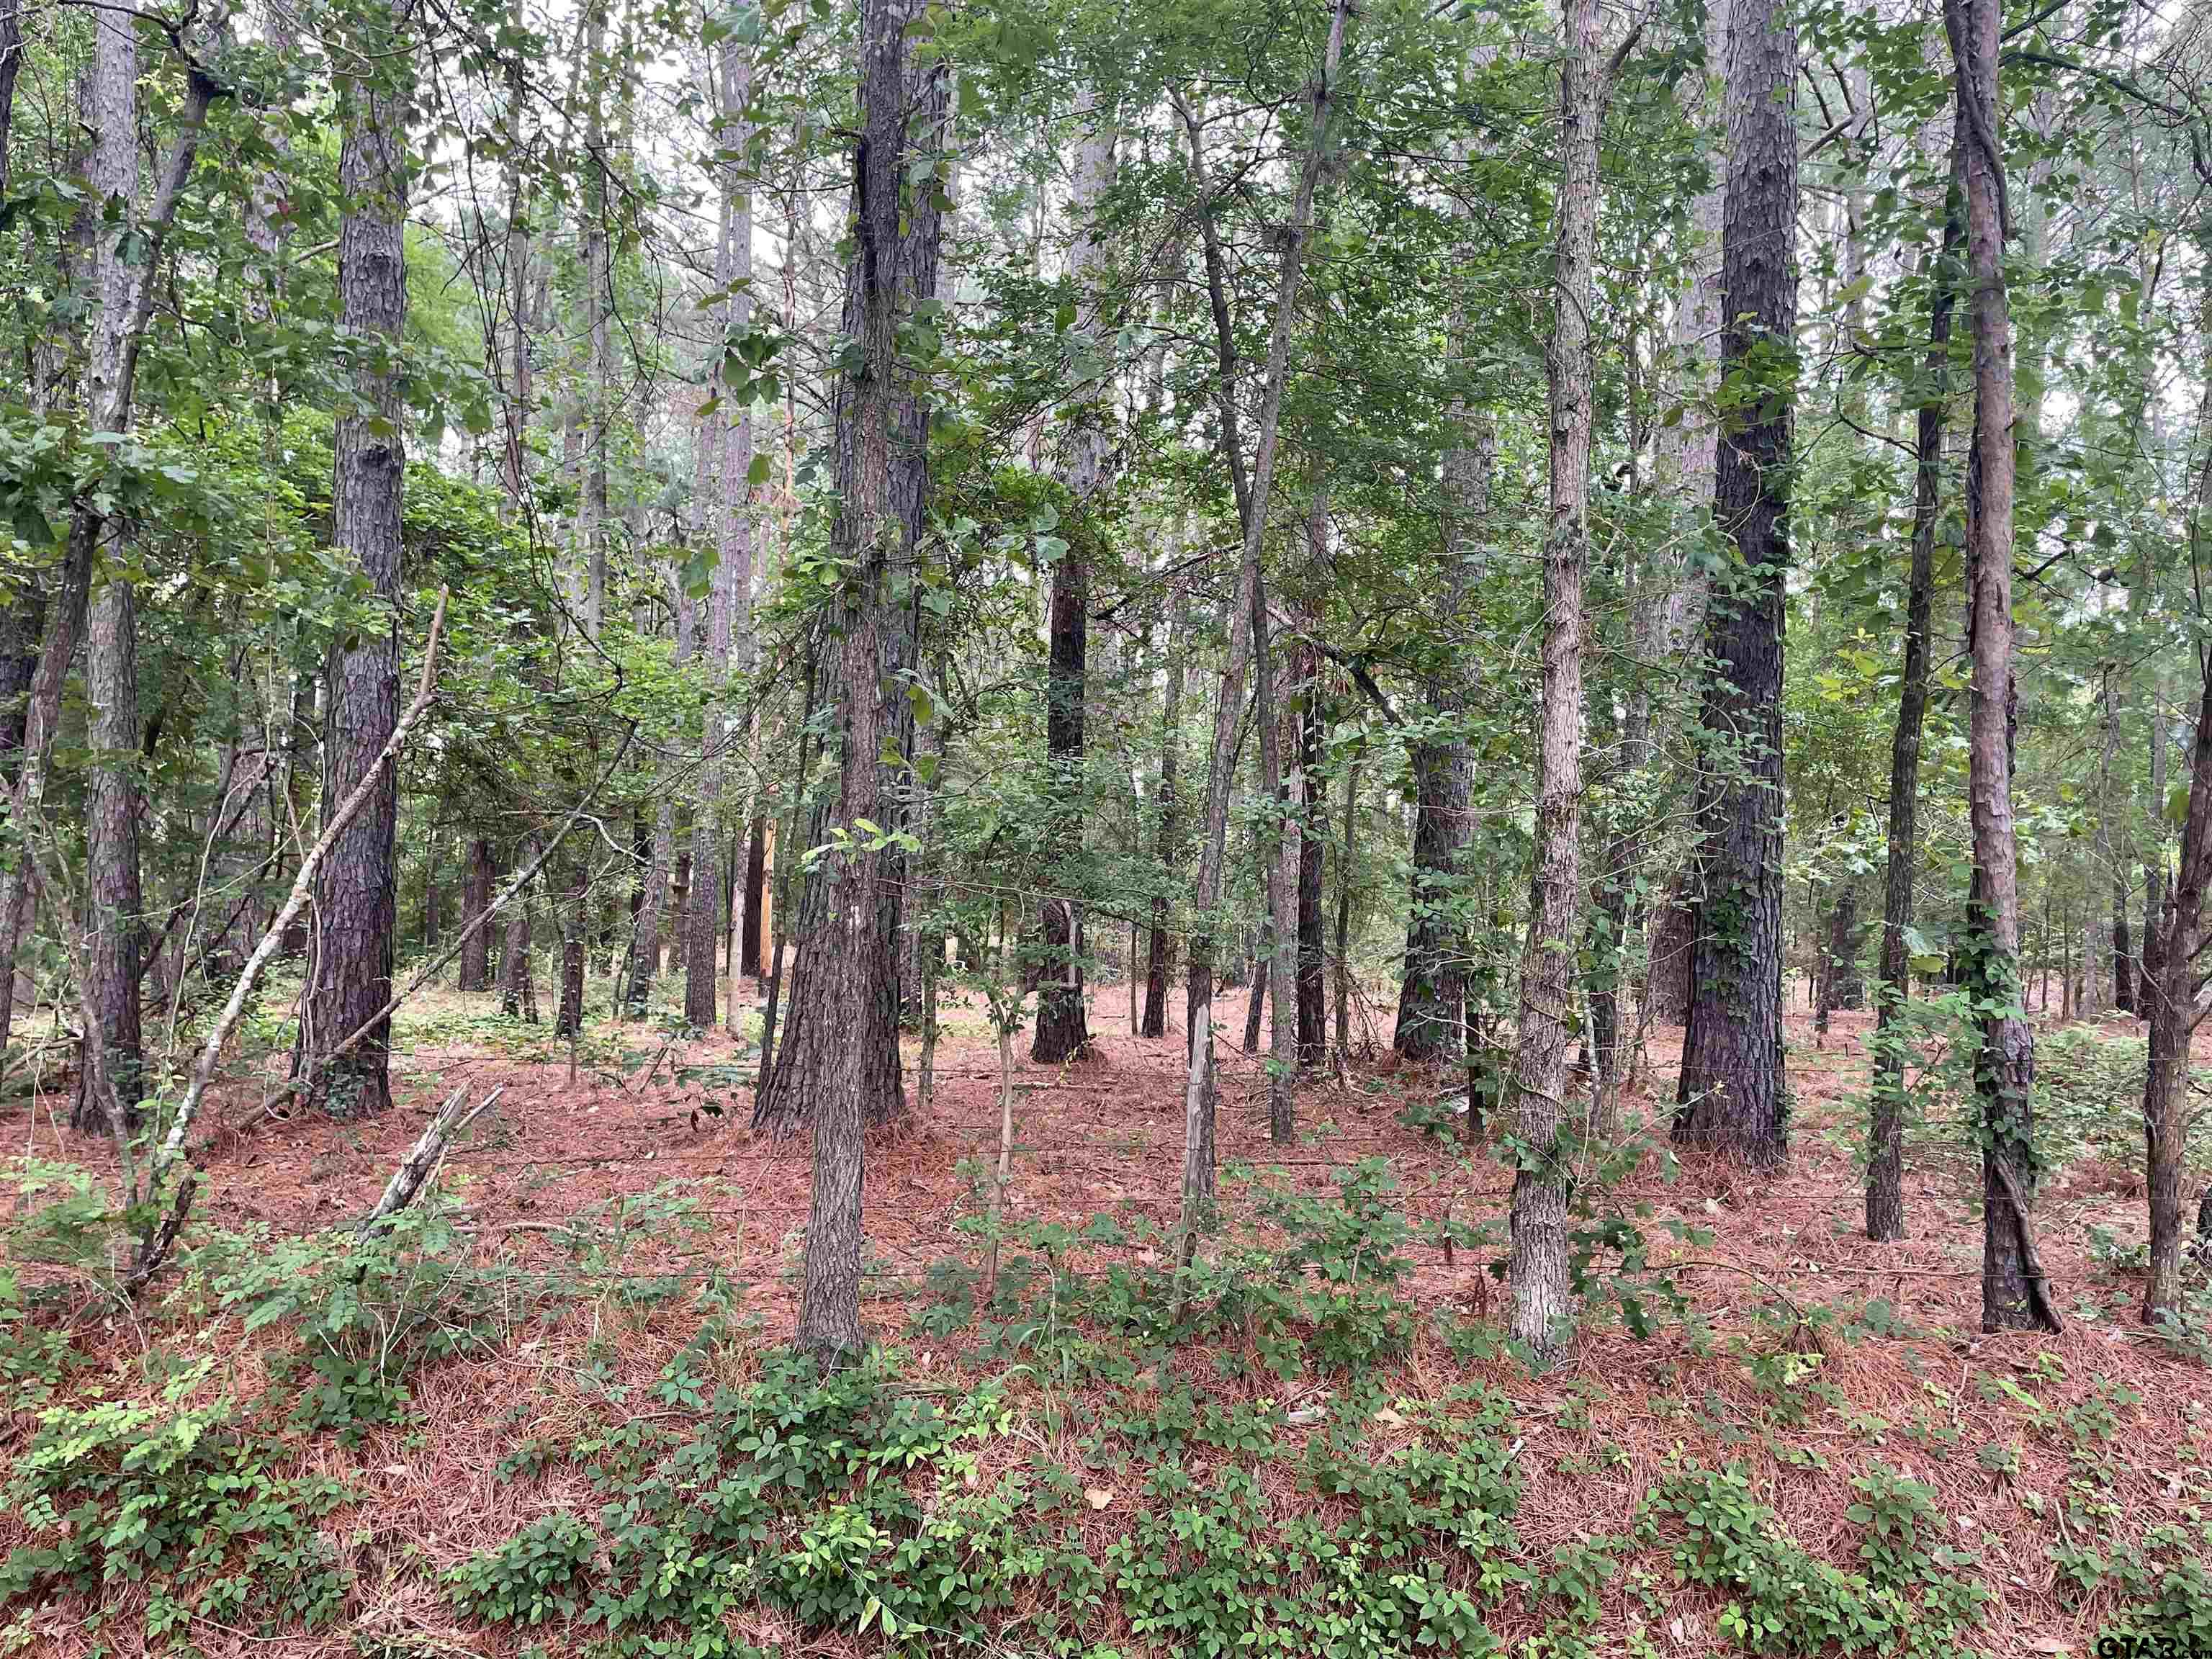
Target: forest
(1318, 827)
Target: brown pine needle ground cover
(623, 1213)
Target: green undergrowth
(1110, 1453)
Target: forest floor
(613, 1263)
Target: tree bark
(518, 994)
(474, 973)
(355, 899)
(2014, 1294)
(113, 929)
(890, 438)
(1731, 1094)
(1884, 1192)
(1542, 1297)
(897, 226)
(1345, 866)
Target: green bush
(181, 1497)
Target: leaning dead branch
(427, 1152)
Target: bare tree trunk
(518, 996)
(1345, 866)
(113, 929)
(1542, 1297)
(1731, 1094)
(355, 893)
(475, 974)
(2014, 1294)
(1279, 857)
(1170, 847)
(1198, 1172)
(1884, 1192)
(896, 229)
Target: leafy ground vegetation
(552, 1407)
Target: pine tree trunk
(1731, 1094)
(896, 234)
(882, 436)
(1542, 1297)
(1885, 1191)
(357, 888)
(1345, 866)
(1307, 795)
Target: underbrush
(1125, 1455)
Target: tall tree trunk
(896, 227)
(1346, 865)
(1308, 798)
(888, 438)
(113, 929)
(1278, 860)
(1841, 985)
(1885, 1191)
(2148, 967)
(475, 899)
(1731, 1094)
(127, 257)
(1062, 1028)
(2100, 954)
(356, 889)
(518, 997)
(2014, 1294)
(1542, 1297)
(1253, 498)
(2174, 1007)
(1169, 845)
(733, 569)
(568, 1019)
